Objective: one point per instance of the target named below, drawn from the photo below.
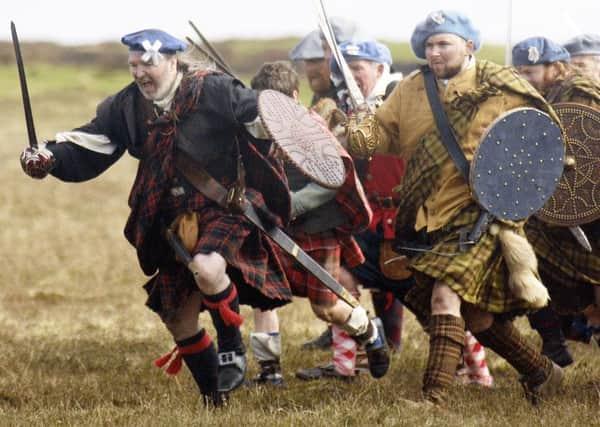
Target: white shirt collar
(166, 101)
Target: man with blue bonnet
(176, 101)
(457, 286)
(569, 271)
(370, 62)
(585, 54)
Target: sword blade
(24, 90)
(218, 63)
(356, 96)
(212, 49)
(289, 246)
(581, 238)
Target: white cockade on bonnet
(533, 54)
(152, 51)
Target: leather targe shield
(518, 164)
(303, 140)
(576, 200)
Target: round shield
(304, 141)
(518, 164)
(576, 200)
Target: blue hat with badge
(584, 44)
(310, 47)
(443, 21)
(153, 40)
(538, 50)
(366, 50)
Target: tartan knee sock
(508, 342)
(200, 356)
(224, 310)
(446, 341)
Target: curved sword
(24, 91)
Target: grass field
(77, 343)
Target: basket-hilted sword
(24, 90)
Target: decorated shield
(576, 200)
(302, 139)
(518, 164)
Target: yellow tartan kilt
(566, 269)
(479, 275)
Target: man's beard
(162, 90)
(449, 71)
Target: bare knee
(210, 272)
(444, 300)
(336, 313)
(323, 311)
(184, 323)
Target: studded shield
(576, 200)
(518, 164)
(303, 140)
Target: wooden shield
(576, 200)
(518, 164)
(303, 140)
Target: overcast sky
(76, 22)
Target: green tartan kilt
(479, 275)
(567, 270)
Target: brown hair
(278, 75)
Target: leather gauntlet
(361, 135)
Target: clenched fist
(37, 162)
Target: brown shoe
(549, 387)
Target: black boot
(322, 342)
(270, 373)
(199, 354)
(554, 345)
(378, 354)
(224, 310)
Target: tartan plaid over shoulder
(576, 88)
(423, 167)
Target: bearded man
(173, 100)
(454, 285)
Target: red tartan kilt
(252, 264)
(329, 250)
(246, 250)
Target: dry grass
(76, 342)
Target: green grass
(77, 343)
